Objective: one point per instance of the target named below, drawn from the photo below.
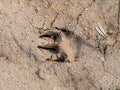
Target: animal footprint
(64, 47)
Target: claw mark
(54, 35)
(66, 32)
(54, 48)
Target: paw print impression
(64, 44)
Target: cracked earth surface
(89, 62)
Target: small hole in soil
(62, 57)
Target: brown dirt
(23, 66)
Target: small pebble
(37, 9)
(102, 59)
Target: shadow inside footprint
(53, 35)
(53, 48)
(67, 33)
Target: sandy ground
(94, 60)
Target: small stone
(54, 57)
(102, 42)
(37, 9)
(102, 59)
